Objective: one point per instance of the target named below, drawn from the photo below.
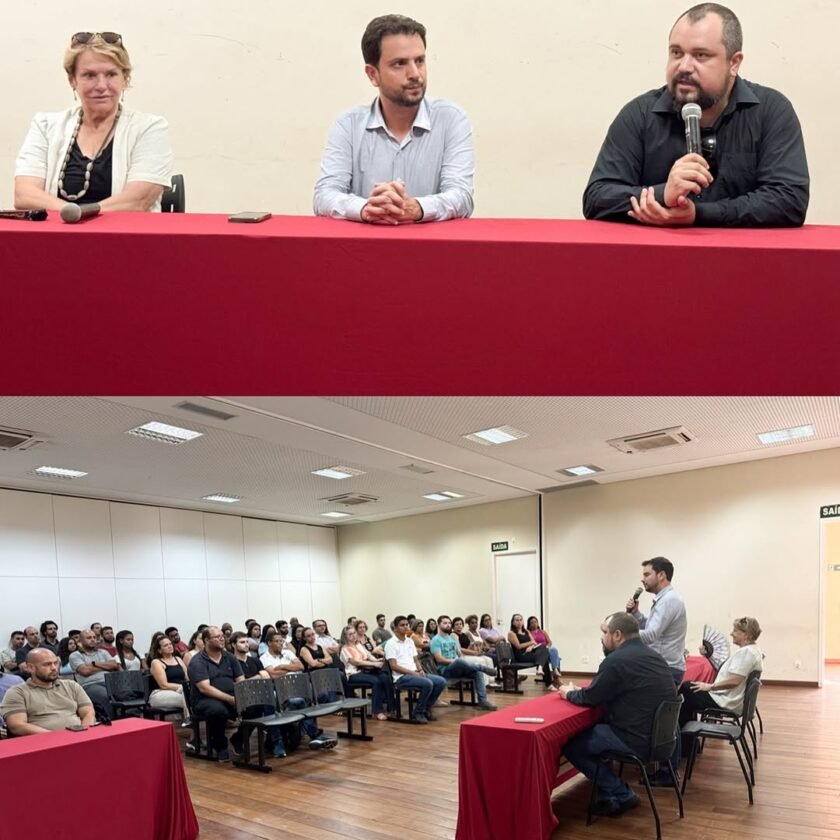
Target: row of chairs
(715, 723)
(320, 691)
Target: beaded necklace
(89, 167)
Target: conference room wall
(251, 89)
(744, 540)
(143, 568)
(432, 563)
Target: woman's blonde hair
(748, 625)
(116, 52)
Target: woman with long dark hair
(128, 658)
(526, 649)
(65, 647)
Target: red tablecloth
(171, 303)
(698, 669)
(507, 770)
(122, 781)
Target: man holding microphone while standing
(663, 630)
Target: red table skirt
(507, 770)
(125, 781)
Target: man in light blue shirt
(405, 158)
(663, 630)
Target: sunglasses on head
(87, 37)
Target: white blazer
(141, 149)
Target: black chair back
(504, 651)
(326, 681)
(750, 698)
(665, 730)
(174, 199)
(254, 692)
(292, 685)
(124, 686)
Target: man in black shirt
(213, 673)
(753, 171)
(631, 682)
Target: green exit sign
(499, 546)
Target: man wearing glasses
(752, 171)
(213, 673)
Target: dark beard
(606, 652)
(703, 98)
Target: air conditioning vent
(417, 468)
(351, 499)
(648, 441)
(17, 440)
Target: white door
(517, 586)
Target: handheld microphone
(72, 213)
(637, 593)
(691, 113)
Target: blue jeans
(430, 687)
(460, 670)
(309, 725)
(382, 686)
(585, 751)
(554, 657)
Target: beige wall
(831, 557)
(745, 540)
(250, 89)
(431, 564)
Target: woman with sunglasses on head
(99, 151)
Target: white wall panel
(187, 604)
(228, 602)
(141, 608)
(293, 544)
(296, 600)
(261, 555)
(85, 600)
(326, 604)
(264, 601)
(223, 546)
(135, 531)
(28, 600)
(323, 562)
(182, 540)
(83, 537)
(27, 541)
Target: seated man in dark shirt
(213, 673)
(752, 172)
(631, 682)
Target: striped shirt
(435, 161)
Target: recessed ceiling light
(163, 433)
(786, 435)
(452, 494)
(498, 434)
(222, 497)
(58, 472)
(334, 514)
(338, 472)
(443, 496)
(584, 469)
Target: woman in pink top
(542, 638)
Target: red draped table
(137, 761)
(179, 303)
(698, 669)
(507, 770)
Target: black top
(100, 175)
(221, 675)
(632, 681)
(250, 667)
(464, 640)
(759, 166)
(174, 673)
(318, 653)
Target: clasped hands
(689, 175)
(390, 204)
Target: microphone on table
(691, 113)
(72, 213)
(24, 215)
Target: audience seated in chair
(323, 637)
(169, 676)
(401, 653)
(381, 633)
(363, 668)
(474, 650)
(126, 655)
(45, 703)
(541, 637)
(175, 637)
(527, 649)
(451, 664)
(8, 656)
(419, 636)
(65, 647)
(108, 643)
(90, 663)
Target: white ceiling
(266, 453)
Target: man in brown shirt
(44, 702)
